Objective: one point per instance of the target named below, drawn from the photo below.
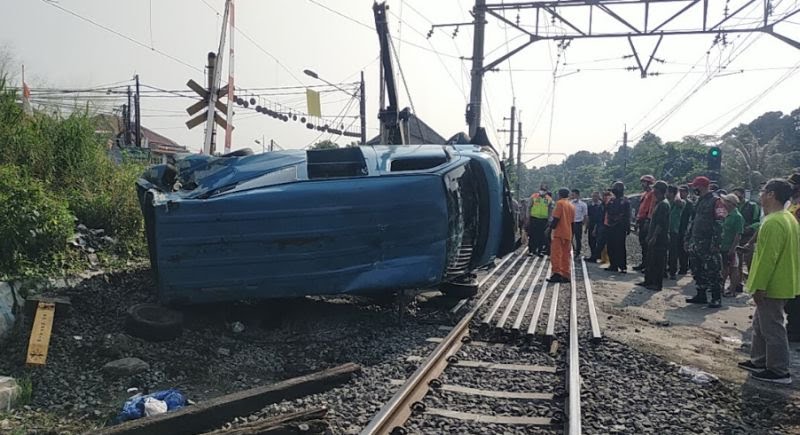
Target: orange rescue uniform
(562, 238)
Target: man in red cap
(646, 206)
(704, 241)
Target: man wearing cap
(774, 279)
(732, 229)
(657, 240)
(686, 218)
(643, 215)
(793, 306)
(704, 243)
(618, 218)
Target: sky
(701, 87)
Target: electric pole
(362, 110)
(473, 114)
(625, 151)
(127, 122)
(138, 115)
(519, 156)
(510, 131)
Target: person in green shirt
(732, 228)
(751, 212)
(676, 207)
(774, 279)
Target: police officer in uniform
(539, 212)
(704, 240)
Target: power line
(121, 35)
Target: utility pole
(473, 114)
(128, 119)
(362, 110)
(519, 157)
(229, 115)
(511, 133)
(625, 151)
(138, 115)
(271, 145)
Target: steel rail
(513, 302)
(464, 301)
(395, 412)
(574, 381)
(528, 296)
(492, 311)
(539, 302)
(551, 316)
(596, 335)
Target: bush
(35, 224)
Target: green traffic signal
(714, 153)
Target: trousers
(577, 235)
(654, 269)
(644, 225)
(559, 256)
(707, 272)
(674, 254)
(536, 229)
(615, 241)
(770, 346)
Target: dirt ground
(713, 340)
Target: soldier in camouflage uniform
(704, 240)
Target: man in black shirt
(618, 213)
(596, 211)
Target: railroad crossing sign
(204, 103)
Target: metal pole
(519, 156)
(363, 110)
(138, 115)
(511, 135)
(625, 152)
(473, 114)
(231, 88)
(128, 119)
(271, 145)
(208, 146)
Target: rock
(222, 351)
(9, 392)
(125, 367)
(116, 345)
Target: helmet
(648, 179)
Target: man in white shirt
(581, 213)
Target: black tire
(153, 322)
(460, 289)
(239, 153)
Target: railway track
(508, 380)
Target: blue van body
(360, 220)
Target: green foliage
(25, 391)
(325, 145)
(63, 167)
(35, 224)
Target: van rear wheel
(463, 288)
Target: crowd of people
(719, 237)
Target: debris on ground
(9, 392)
(156, 403)
(697, 376)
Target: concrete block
(9, 392)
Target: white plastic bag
(154, 406)
(698, 376)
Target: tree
(746, 159)
(325, 145)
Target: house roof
(419, 133)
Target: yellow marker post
(40, 334)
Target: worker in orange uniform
(561, 229)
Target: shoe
(772, 377)
(540, 255)
(715, 303)
(682, 272)
(639, 267)
(611, 269)
(653, 288)
(590, 260)
(696, 300)
(623, 271)
(530, 254)
(750, 367)
(740, 288)
(673, 277)
(643, 284)
(555, 278)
